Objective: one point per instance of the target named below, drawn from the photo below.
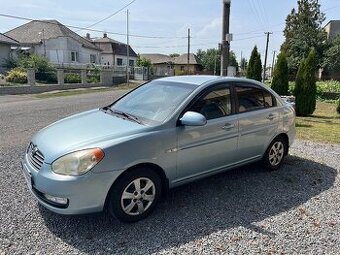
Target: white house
(55, 41)
(114, 53)
(5, 49)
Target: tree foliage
(332, 59)
(143, 62)
(305, 85)
(302, 32)
(211, 59)
(280, 78)
(173, 55)
(254, 69)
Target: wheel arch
(156, 168)
(286, 139)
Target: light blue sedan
(163, 134)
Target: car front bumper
(84, 194)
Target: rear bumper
(85, 194)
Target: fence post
(31, 76)
(106, 77)
(60, 76)
(83, 74)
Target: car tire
(275, 153)
(135, 194)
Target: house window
(119, 61)
(74, 56)
(131, 62)
(93, 58)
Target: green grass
(73, 92)
(322, 126)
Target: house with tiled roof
(57, 42)
(164, 65)
(114, 53)
(5, 49)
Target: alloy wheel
(138, 196)
(276, 153)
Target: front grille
(35, 157)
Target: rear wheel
(275, 153)
(134, 196)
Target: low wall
(26, 89)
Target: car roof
(199, 80)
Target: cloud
(211, 29)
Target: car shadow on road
(237, 198)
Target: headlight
(77, 163)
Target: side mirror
(193, 119)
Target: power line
(108, 17)
(89, 29)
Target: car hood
(81, 131)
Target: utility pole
(127, 49)
(265, 58)
(226, 38)
(188, 63)
(274, 53)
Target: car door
(258, 120)
(211, 147)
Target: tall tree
(280, 78)
(302, 32)
(254, 69)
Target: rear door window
(252, 98)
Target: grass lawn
(322, 126)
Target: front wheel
(275, 153)
(134, 196)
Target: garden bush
(45, 72)
(17, 75)
(280, 79)
(305, 86)
(72, 78)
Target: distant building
(5, 49)
(114, 53)
(332, 29)
(181, 63)
(58, 43)
(164, 65)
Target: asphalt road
(245, 211)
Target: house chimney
(88, 36)
(105, 35)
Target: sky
(169, 21)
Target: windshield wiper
(124, 114)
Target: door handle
(271, 116)
(228, 126)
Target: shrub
(72, 78)
(305, 86)
(17, 75)
(45, 72)
(280, 77)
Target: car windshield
(154, 101)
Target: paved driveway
(245, 211)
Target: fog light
(57, 200)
